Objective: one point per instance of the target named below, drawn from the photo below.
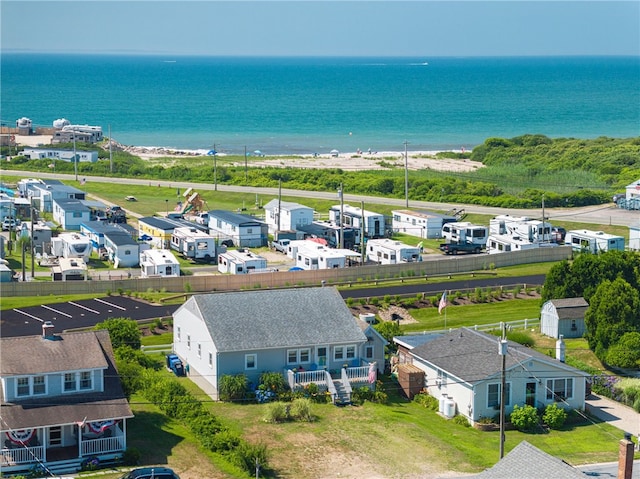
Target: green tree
(626, 352)
(122, 331)
(388, 329)
(613, 311)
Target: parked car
(151, 473)
(619, 196)
(10, 223)
(558, 233)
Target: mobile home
(158, 262)
(71, 245)
(504, 243)
(194, 244)
(465, 232)
(387, 251)
(594, 241)
(359, 219)
(521, 226)
(240, 262)
(315, 256)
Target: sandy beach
(352, 161)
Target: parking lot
(78, 314)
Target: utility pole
(245, 164)
(279, 202)
(75, 156)
(110, 152)
(362, 246)
(543, 221)
(341, 195)
(215, 169)
(33, 246)
(406, 174)
(503, 352)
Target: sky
(414, 28)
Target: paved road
(78, 314)
(607, 214)
(438, 288)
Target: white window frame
(66, 382)
(178, 334)
(23, 383)
(83, 377)
(199, 351)
(339, 353)
(497, 391)
(247, 361)
(44, 385)
(210, 359)
(189, 342)
(565, 386)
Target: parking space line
(84, 307)
(30, 315)
(110, 304)
(56, 311)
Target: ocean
(309, 105)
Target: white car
(10, 223)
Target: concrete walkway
(618, 415)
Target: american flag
(443, 302)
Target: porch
(338, 383)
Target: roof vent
(47, 330)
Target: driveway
(618, 415)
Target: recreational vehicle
(387, 251)
(158, 262)
(315, 256)
(194, 244)
(521, 226)
(240, 262)
(504, 243)
(593, 241)
(71, 245)
(465, 232)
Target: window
(178, 333)
(199, 351)
(351, 352)
(210, 360)
(560, 389)
(86, 380)
(39, 386)
(69, 381)
(127, 252)
(250, 361)
(305, 355)
(23, 387)
(338, 353)
(188, 341)
(368, 352)
(493, 395)
(249, 231)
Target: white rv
(387, 251)
(71, 245)
(240, 262)
(465, 232)
(158, 262)
(593, 241)
(521, 226)
(194, 244)
(505, 243)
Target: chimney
(560, 349)
(625, 457)
(47, 330)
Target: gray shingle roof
(70, 408)
(252, 320)
(472, 356)
(235, 218)
(570, 308)
(528, 462)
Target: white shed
(563, 317)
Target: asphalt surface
(78, 314)
(438, 288)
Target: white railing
(158, 348)
(21, 455)
(346, 383)
(100, 446)
(330, 386)
(306, 377)
(359, 374)
(519, 324)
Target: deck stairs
(343, 397)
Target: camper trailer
(71, 245)
(593, 241)
(523, 227)
(240, 262)
(465, 232)
(312, 255)
(504, 243)
(194, 244)
(387, 251)
(158, 262)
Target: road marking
(84, 307)
(110, 304)
(56, 311)
(30, 315)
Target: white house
(388, 251)
(158, 262)
(286, 215)
(563, 317)
(122, 250)
(309, 330)
(62, 155)
(240, 262)
(64, 395)
(245, 231)
(593, 241)
(463, 367)
(356, 218)
(421, 223)
(310, 255)
(194, 244)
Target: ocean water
(306, 105)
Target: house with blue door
(307, 334)
(62, 401)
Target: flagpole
(445, 313)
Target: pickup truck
(455, 248)
(281, 245)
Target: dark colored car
(151, 473)
(559, 233)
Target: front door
(321, 356)
(531, 394)
(55, 436)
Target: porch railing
(306, 377)
(346, 383)
(103, 445)
(330, 386)
(358, 374)
(21, 455)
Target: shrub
(276, 412)
(460, 420)
(273, 381)
(521, 337)
(225, 441)
(301, 409)
(233, 388)
(250, 456)
(427, 401)
(524, 418)
(554, 416)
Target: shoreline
(357, 160)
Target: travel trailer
(194, 244)
(387, 251)
(593, 241)
(71, 245)
(465, 232)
